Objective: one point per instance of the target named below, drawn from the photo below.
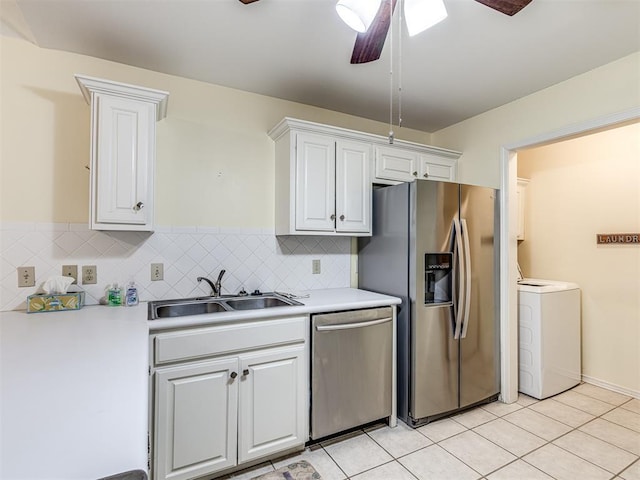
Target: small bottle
(114, 296)
(131, 297)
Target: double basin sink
(201, 305)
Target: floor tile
(477, 452)
(519, 470)
(441, 429)
(603, 394)
(499, 409)
(596, 451)
(392, 470)
(563, 465)
(319, 458)
(510, 437)
(435, 463)
(632, 473)
(357, 453)
(473, 418)
(537, 424)
(525, 400)
(632, 405)
(584, 402)
(625, 418)
(615, 434)
(398, 441)
(562, 412)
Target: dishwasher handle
(345, 326)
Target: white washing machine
(549, 336)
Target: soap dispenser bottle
(131, 297)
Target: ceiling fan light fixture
(358, 14)
(423, 14)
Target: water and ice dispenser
(437, 277)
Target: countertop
(74, 385)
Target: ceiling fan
(369, 43)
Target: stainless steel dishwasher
(351, 373)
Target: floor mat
(301, 470)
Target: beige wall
(579, 188)
(214, 158)
(609, 89)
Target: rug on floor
(301, 470)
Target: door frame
(508, 233)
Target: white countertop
(74, 385)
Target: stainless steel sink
(250, 303)
(201, 305)
(181, 308)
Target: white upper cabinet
(323, 182)
(434, 167)
(394, 163)
(521, 194)
(123, 146)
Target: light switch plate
(315, 266)
(157, 272)
(26, 276)
(70, 271)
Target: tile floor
(585, 433)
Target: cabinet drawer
(223, 339)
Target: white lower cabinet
(196, 411)
(212, 414)
(272, 413)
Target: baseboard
(611, 386)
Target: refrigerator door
(434, 372)
(479, 343)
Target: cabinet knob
(138, 206)
(342, 218)
(415, 174)
(233, 375)
(426, 175)
(245, 372)
(333, 216)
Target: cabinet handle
(415, 174)
(138, 206)
(342, 218)
(233, 375)
(245, 372)
(333, 216)
(426, 175)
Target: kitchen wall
(579, 188)
(597, 94)
(214, 184)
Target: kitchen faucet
(216, 288)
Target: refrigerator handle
(459, 303)
(467, 269)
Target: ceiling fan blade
(369, 44)
(508, 7)
(247, 2)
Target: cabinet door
(273, 402)
(315, 182)
(353, 187)
(195, 420)
(396, 164)
(521, 194)
(433, 167)
(124, 139)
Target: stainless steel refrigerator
(435, 245)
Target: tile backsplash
(253, 259)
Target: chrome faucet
(216, 288)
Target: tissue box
(55, 302)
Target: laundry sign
(618, 238)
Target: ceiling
(299, 50)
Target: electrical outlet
(89, 274)
(70, 271)
(26, 276)
(315, 266)
(157, 271)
